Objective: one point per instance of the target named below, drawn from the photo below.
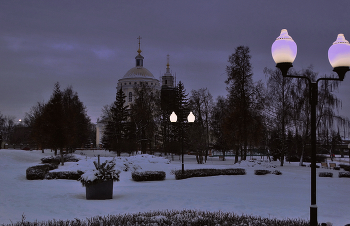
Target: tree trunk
(62, 159)
(236, 155)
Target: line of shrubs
(148, 176)
(207, 172)
(264, 172)
(329, 174)
(170, 217)
(57, 159)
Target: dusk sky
(91, 44)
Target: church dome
(138, 72)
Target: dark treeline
(271, 118)
(60, 124)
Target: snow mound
(133, 163)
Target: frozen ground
(283, 196)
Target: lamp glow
(191, 117)
(339, 52)
(284, 49)
(173, 117)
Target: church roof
(138, 72)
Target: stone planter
(102, 190)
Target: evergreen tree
(246, 102)
(61, 123)
(116, 127)
(146, 115)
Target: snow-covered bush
(207, 173)
(103, 172)
(344, 174)
(57, 159)
(38, 172)
(69, 175)
(325, 174)
(261, 172)
(277, 172)
(345, 167)
(148, 176)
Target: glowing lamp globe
(173, 117)
(191, 117)
(339, 52)
(284, 49)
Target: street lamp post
(284, 51)
(190, 118)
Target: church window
(130, 96)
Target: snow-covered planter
(99, 181)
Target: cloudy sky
(91, 44)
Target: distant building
(168, 90)
(138, 75)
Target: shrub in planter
(69, 175)
(102, 172)
(99, 182)
(344, 174)
(148, 176)
(325, 174)
(261, 172)
(38, 172)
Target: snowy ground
(283, 196)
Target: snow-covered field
(274, 196)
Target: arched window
(130, 96)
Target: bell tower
(168, 90)
(139, 58)
(168, 78)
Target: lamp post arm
(325, 79)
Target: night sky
(91, 44)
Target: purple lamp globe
(284, 49)
(339, 56)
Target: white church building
(137, 75)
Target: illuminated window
(130, 96)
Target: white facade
(135, 76)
